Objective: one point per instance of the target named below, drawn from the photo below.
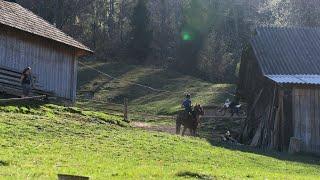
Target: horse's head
(198, 109)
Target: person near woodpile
(26, 82)
(233, 105)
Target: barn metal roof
(288, 55)
(15, 16)
(295, 79)
(289, 51)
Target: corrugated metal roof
(14, 15)
(295, 79)
(287, 50)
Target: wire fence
(123, 109)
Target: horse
(189, 122)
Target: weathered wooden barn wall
(306, 115)
(287, 75)
(268, 122)
(52, 63)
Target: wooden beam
(223, 117)
(22, 99)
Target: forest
(203, 38)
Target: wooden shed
(280, 80)
(28, 40)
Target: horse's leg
(184, 130)
(178, 126)
(195, 132)
(191, 131)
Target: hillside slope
(143, 99)
(40, 142)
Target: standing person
(234, 104)
(26, 82)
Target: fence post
(125, 111)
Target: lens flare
(186, 36)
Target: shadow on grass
(187, 174)
(87, 75)
(4, 163)
(27, 103)
(174, 83)
(157, 80)
(284, 156)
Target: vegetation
(40, 142)
(141, 34)
(202, 38)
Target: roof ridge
(48, 23)
(287, 27)
(16, 16)
(8, 2)
(42, 19)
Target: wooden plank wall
(306, 115)
(53, 65)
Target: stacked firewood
(10, 83)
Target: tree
(193, 31)
(141, 34)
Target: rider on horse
(187, 104)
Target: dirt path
(151, 127)
(210, 128)
(171, 129)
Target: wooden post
(125, 111)
(295, 145)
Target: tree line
(204, 38)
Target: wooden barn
(28, 40)
(280, 81)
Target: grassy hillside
(39, 142)
(143, 99)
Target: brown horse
(188, 121)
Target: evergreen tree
(194, 29)
(141, 33)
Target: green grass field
(40, 142)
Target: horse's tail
(178, 123)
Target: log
(22, 99)
(256, 101)
(246, 125)
(257, 136)
(295, 145)
(275, 133)
(71, 177)
(223, 117)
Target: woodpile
(10, 83)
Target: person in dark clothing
(26, 82)
(234, 104)
(187, 105)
